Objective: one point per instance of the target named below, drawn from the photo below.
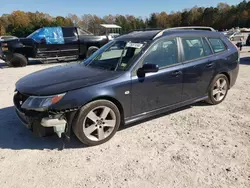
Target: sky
(104, 7)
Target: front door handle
(176, 73)
(208, 65)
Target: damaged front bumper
(43, 123)
(43, 126)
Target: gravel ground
(196, 146)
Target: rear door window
(207, 48)
(192, 48)
(217, 45)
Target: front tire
(218, 89)
(97, 122)
(17, 60)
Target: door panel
(156, 90)
(199, 67)
(196, 77)
(163, 88)
(49, 41)
(71, 46)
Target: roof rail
(183, 28)
(146, 29)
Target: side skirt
(152, 113)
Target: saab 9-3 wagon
(135, 76)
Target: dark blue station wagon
(135, 76)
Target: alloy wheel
(99, 123)
(220, 89)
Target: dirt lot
(197, 146)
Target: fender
(112, 90)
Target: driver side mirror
(147, 68)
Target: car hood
(62, 78)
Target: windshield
(115, 56)
(34, 33)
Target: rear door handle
(176, 73)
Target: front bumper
(40, 123)
(34, 124)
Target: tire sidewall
(18, 58)
(78, 124)
(91, 50)
(210, 94)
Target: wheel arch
(228, 77)
(221, 72)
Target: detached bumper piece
(40, 123)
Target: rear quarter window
(217, 44)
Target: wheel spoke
(91, 115)
(223, 84)
(218, 83)
(215, 91)
(90, 129)
(109, 123)
(105, 112)
(224, 92)
(217, 96)
(100, 133)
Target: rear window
(217, 44)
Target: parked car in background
(7, 38)
(248, 40)
(112, 36)
(134, 76)
(234, 35)
(237, 37)
(51, 43)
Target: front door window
(164, 53)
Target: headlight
(38, 103)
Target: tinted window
(207, 48)
(163, 53)
(69, 32)
(193, 48)
(217, 44)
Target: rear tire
(218, 89)
(97, 122)
(17, 60)
(91, 50)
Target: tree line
(221, 17)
